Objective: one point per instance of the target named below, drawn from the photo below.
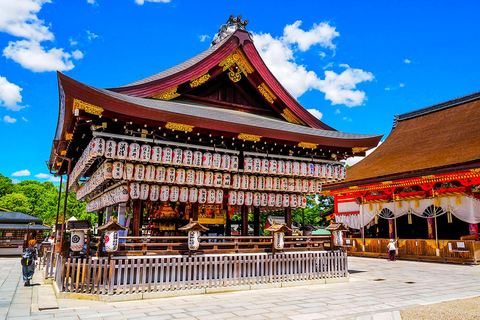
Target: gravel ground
(465, 309)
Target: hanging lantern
(111, 241)
(278, 240)
(303, 202)
(225, 163)
(248, 198)
(276, 184)
(234, 163)
(293, 201)
(150, 173)
(177, 156)
(236, 179)
(310, 169)
(226, 180)
(197, 158)
(271, 200)
(298, 185)
(190, 176)
(211, 196)
(280, 167)
(167, 154)
(323, 171)
(304, 185)
(98, 147)
(286, 200)
(335, 172)
(232, 198)
(208, 179)
(170, 176)
(272, 166)
(164, 193)
(193, 228)
(207, 160)
(278, 200)
(187, 158)
(283, 184)
(311, 186)
(145, 152)
(156, 154)
(291, 184)
(217, 179)
(257, 199)
(183, 197)
(219, 196)
(134, 190)
(122, 150)
(248, 165)
(139, 173)
(330, 172)
(268, 183)
(144, 188)
(199, 178)
(154, 193)
(264, 200)
(318, 187)
(133, 151)
(108, 170)
(317, 169)
(117, 171)
(160, 174)
(264, 168)
(278, 234)
(244, 179)
(252, 183)
(288, 168)
(303, 168)
(296, 168)
(202, 195)
(128, 171)
(174, 193)
(77, 240)
(110, 149)
(123, 194)
(257, 165)
(240, 198)
(216, 160)
(261, 183)
(180, 176)
(192, 195)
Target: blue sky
(356, 63)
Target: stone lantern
(111, 229)
(278, 230)
(77, 230)
(193, 228)
(336, 229)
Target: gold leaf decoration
(308, 145)
(266, 93)
(68, 136)
(198, 81)
(87, 107)
(168, 94)
(249, 137)
(290, 117)
(179, 127)
(359, 149)
(236, 60)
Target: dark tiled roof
(14, 217)
(18, 226)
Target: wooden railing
(121, 275)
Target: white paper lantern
(122, 150)
(190, 176)
(199, 178)
(211, 196)
(264, 200)
(156, 154)
(145, 152)
(111, 240)
(278, 240)
(240, 198)
(144, 189)
(216, 160)
(303, 168)
(110, 149)
(207, 160)
(257, 165)
(268, 183)
(197, 158)
(310, 169)
(208, 179)
(276, 183)
(170, 176)
(248, 198)
(164, 193)
(219, 196)
(283, 184)
(288, 168)
(134, 190)
(304, 185)
(296, 168)
(248, 165)
(226, 180)
(108, 170)
(291, 184)
(317, 170)
(236, 181)
(244, 179)
(280, 167)
(98, 147)
(150, 173)
(271, 199)
(139, 173)
(187, 158)
(232, 198)
(77, 240)
(329, 174)
(202, 195)
(252, 183)
(193, 240)
(180, 176)
(225, 163)
(298, 185)
(133, 151)
(167, 155)
(261, 183)
(286, 200)
(128, 171)
(323, 171)
(342, 173)
(154, 193)
(257, 199)
(311, 186)
(183, 194)
(234, 163)
(217, 179)
(174, 193)
(278, 200)
(293, 201)
(318, 188)
(160, 173)
(304, 202)
(192, 195)
(265, 166)
(334, 172)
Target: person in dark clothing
(29, 257)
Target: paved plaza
(377, 289)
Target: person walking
(29, 257)
(392, 250)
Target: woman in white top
(391, 250)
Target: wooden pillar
(288, 219)
(137, 212)
(228, 222)
(195, 212)
(244, 220)
(256, 221)
(100, 218)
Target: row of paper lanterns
(149, 173)
(109, 198)
(93, 149)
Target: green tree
(16, 202)
(6, 185)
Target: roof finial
(230, 27)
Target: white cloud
(10, 96)
(353, 160)
(387, 88)
(322, 54)
(402, 85)
(33, 56)
(21, 173)
(91, 35)
(73, 42)
(337, 111)
(24, 119)
(77, 54)
(91, 1)
(279, 55)
(407, 61)
(204, 37)
(9, 119)
(141, 2)
(347, 119)
(19, 18)
(321, 34)
(54, 179)
(42, 176)
(15, 181)
(317, 114)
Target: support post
(244, 220)
(58, 210)
(121, 219)
(435, 217)
(137, 212)
(195, 211)
(228, 223)
(256, 221)
(100, 218)
(288, 219)
(108, 213)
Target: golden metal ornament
(168, 94)
(249, 137)
(237, 57)
(290, 117)
(179, 127)
(235, 76)
(359, 149)
(87, 107)
(266, 93)
(198, 81)
(308, 145)
(68, 136)
(63, 152)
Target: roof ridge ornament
(233, 24)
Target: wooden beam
(244, 220)
(288, 218)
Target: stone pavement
(377, 290)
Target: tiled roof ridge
(436, 107)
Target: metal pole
(435, 217)
(58, 207)
(361, 224)
(395, 216)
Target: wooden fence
(121, 275)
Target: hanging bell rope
(417, 204)
(449, 217)
(458, 200)
(409, 218)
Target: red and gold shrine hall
(213, 135)
(422, 185)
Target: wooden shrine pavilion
(210, 137)
(421, 185)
